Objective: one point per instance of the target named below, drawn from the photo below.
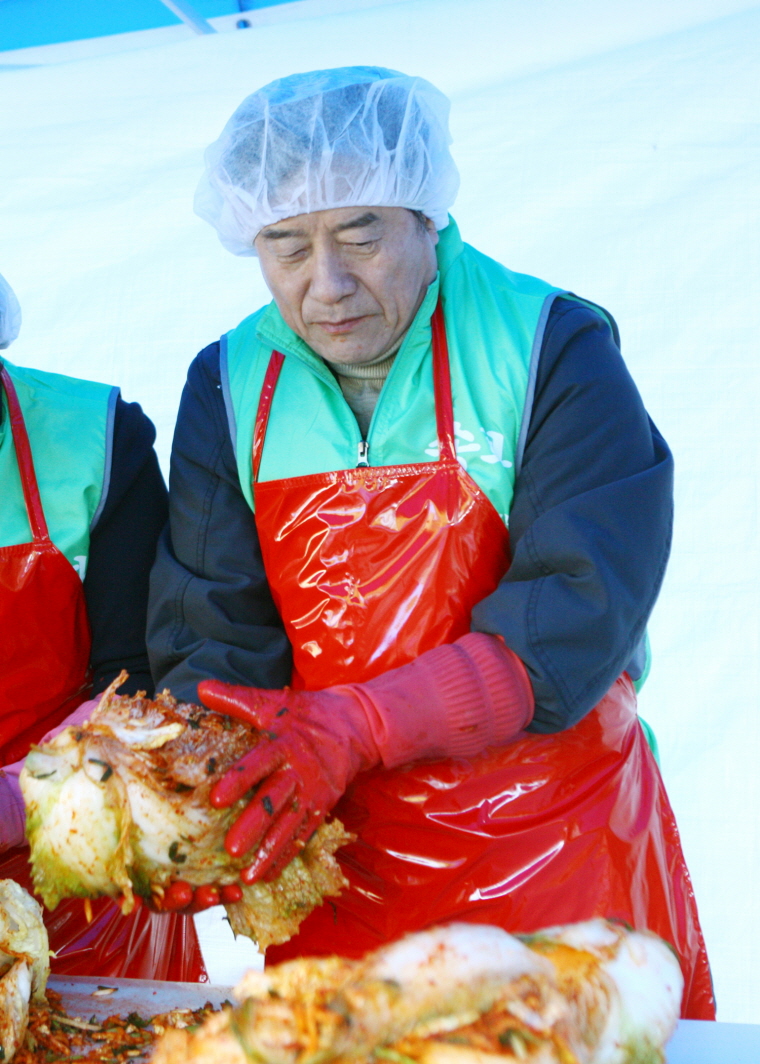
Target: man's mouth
(338, 328)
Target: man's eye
(290, 254)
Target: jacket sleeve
(211, 613)
(590, 524)
(122, 549)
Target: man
(83, 502)
(423, 491)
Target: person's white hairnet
(350, 137)
(10, 314)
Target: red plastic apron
(44, 676)
(370, 567)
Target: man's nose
(331, 280)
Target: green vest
(70, 428)
(494, 326)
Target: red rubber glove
(314, 744)
(456, 700)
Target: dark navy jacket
(122, 549)
(590, 529)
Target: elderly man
(423, 492)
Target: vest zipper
(363, 454)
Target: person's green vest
(494, 326)
(495, 321)
(70, 428)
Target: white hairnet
(10, 314)
(354, 136)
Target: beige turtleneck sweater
(362, 383)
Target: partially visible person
(83, 504)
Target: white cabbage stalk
(641, 979)
(24, 962)
(120, 806)
(590, 993)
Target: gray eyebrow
(281, 234)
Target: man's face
(349, 281)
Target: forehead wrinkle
(368, 218)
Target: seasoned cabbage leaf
(591, 993)
(24, 962)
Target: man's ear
(431, 230)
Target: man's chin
(348, 350)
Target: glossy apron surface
(44, 676)
(45, 645)
(370, 568)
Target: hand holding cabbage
(120, 806)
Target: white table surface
(700, 1042)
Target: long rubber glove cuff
(453, 701)
(12, 816)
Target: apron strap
(34, 509)
(265, 405)
(444, 405)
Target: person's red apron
(44, 675)
(371, 567)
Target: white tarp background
(609, 148)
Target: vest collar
(450, 246)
